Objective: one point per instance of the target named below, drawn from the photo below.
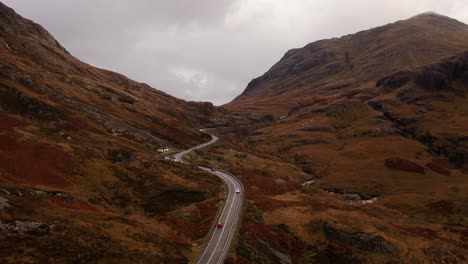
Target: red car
(220, 225)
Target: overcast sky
(208, 50)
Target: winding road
(220, 239)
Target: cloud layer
(208, 50)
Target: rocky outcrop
(434, 78)
(19, 228)
(440, 76)
(394, 81)
(37, 193)
(353, 197)
(371, 242)
(453, 148)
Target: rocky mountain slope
(365, 157)
(352, 61)
(81, 178)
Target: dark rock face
(401, 122)
(319, 59)
(435, 77)
(395, 81)
(407, 95)
(461, 68)
(365, 241)
(252, 85)
(440, 76)
(403, 165)
(299, 62)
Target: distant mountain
(373, 128)
(81, 178)
(345, 63)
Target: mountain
(351, 62)
(350, 150)
(81, 178)
(52, 75)
(364, 157)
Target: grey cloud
(208, 49)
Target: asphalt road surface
(220, 239)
